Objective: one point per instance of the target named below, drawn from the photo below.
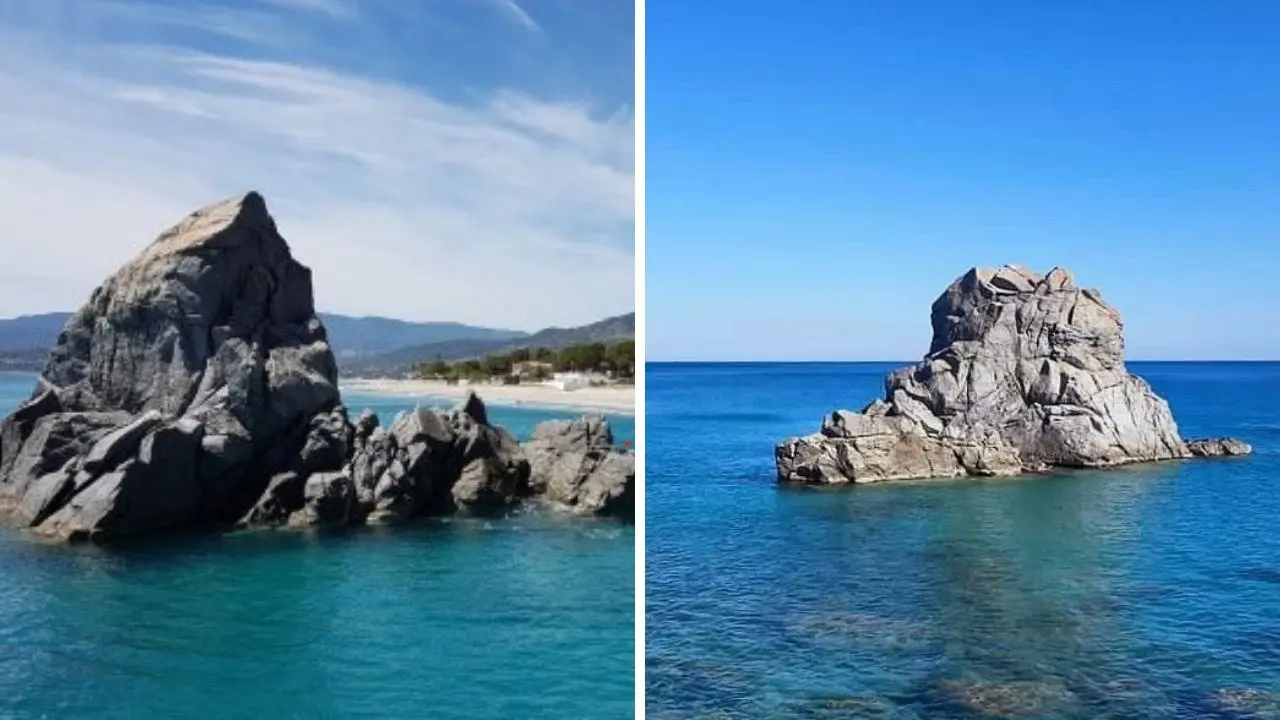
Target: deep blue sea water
(525, 617)
(1149, 592)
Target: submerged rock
(1024, 699)
(1248, 702)
(575, 464)
(1025, 372)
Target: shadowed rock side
(432, 463)
(1024, 373)
(424, 463)
(197, 388)
(193, 375)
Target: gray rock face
(495, 469)
(197, 388)
(402, 472)
(575, 465)
(328, 500)
(193, 375)
(1025, 372)
(424, 463)
(473, 408)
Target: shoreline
(616, 399)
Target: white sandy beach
(619, 399)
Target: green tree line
(616, 359)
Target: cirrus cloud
(492, 206)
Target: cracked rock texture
(197, 389)
(576, 465)
(1025, 372)
(190, 378)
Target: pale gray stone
(1024, 372)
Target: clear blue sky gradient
(818, 172)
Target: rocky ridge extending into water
(1025, 373)
(197, 389)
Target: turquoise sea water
(530, 616)
(1149, 592)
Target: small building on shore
(534, 369)
(569, 381)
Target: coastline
(612, 399)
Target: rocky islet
(1025, 373)
(197, 389)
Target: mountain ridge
(355, 333)
(399, 361)
(369, 344)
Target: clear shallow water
(519, 420)
(1144, 592)
(527, 617)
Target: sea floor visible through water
(1146, 592)
(529, 616)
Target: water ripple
(1148, 592)
(529, 617)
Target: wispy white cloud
(340, 9)
(517, 14)
(509, 210)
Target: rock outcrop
(197, 388)
(575, 464)
(1025, 373)
(432, 463)
(192, 376)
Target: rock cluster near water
(434, 463)
(1025, 373)
(197, 388)
(574, 464)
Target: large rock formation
(197, 389)
(1025, 372)
(193, 375)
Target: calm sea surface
(1151, 592)
(526, 617)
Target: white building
(569, 381)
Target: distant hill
(31, 332)
(25, 339)
(359, 336)
(397, 362)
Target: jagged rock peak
(191, 377)
(1024, 372)
(210, 225)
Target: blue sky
(817, 175)
(468, 160)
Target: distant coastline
(606, 399)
